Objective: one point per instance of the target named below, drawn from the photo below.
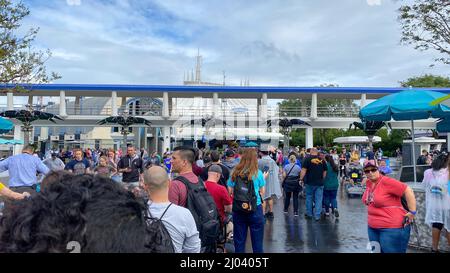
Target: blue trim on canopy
(226, 89)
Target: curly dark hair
(92, 210)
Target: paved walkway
(346, 234)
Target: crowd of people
(194, 200)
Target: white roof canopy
(356, 140)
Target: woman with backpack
(246, 185)
(437, 199)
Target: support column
(124, 105)
(30, 100)
(309, 138)
(216, 106)
(10, 100)
(448, 142)
(114, 111)
(62, 104)
(165, 106)
(314, 106)
(137, 137)
(18, 135)
(166, 136)
(263, 107)
(77, 105)
(363, 100)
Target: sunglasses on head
(370, 170)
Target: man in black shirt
(215, 158)
(315, 170)
(131, 166)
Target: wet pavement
(346, 234)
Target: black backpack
(202, 206)
(244, 197)
(159, 240)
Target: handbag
(284, 180)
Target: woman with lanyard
(388, 222)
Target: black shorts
(438, 225)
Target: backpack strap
(188, 183)
(160, 218)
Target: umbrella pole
(413, 151)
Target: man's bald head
(156, 178)
(314, 151)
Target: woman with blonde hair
(246, 185)
(291, 184)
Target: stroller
(353, 185)
(225, 243)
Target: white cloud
(374, 2)
(155, 42)
(73, 2)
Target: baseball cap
(370, 163)
(215, 169)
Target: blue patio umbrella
(10, 141)
(5, 125)
(406, 105)
(251, 144)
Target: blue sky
(284, 43)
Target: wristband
(413, 212)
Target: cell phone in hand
(266, 169)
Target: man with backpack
(175, 225)
(188, 190)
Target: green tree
(19, 62)
(426, 25)
(427, 80)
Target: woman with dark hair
(437, 199)
(388, 222)
(331, 185)
(247, 175)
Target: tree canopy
(19, 62)
(426, 80)
(426, 25)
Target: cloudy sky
(284, 43)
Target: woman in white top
(437, 198)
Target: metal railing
(251, 111)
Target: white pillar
(363, 100)
(30, 100)
(10, 100)
(44, 133)
(314, 106)
(309, 138)
(18, 135)
(166, 136)
(62, 104)
(114, 111)
(165, 107)
(216, 106)
(448, 142)
(137, 137)
(263, 106)
(77, 105)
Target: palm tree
(27, 117)
(285, 125)
(370, 128)
(125, 121)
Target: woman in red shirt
(389, 223)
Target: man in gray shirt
(54, 163)
(178, 221)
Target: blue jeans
(391, 240)
(314, 193)
(241, 222)
(329, 198)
